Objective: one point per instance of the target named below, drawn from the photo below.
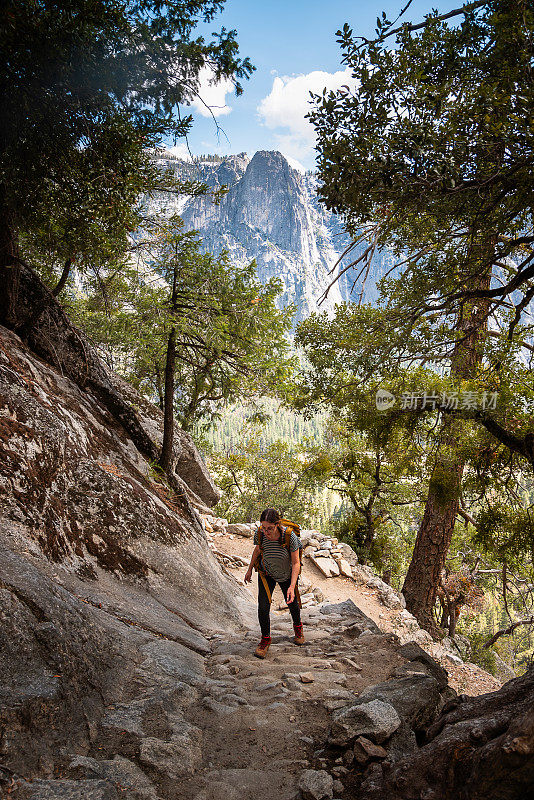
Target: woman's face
(270, 529)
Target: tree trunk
(9, 266)
(168, 406)
(63, 278)
(435, 532)
(159, 387)
(443, 501)
(453, 619)
(25, 327)
(480, 748)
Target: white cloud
(212, 96)
(180, 151)
(288, 103)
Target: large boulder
(376, 720)
(326, 565)
(119, 770)
(240, 529)
(415, 698)
(422, 661)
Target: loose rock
(240, 529)
(316, 784)
(364, 750)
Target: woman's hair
(270, 515)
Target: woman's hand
(290, 594)
(248, 575)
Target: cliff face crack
(134, 624)
(181, 617)
(35, 609)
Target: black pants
(264, 607)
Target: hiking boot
(261, 649)
(299, 634)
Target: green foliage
(230, 337)
(274, 421)
(507, 532)
(420, 159)
(88, 87)
(375, 459)
(253, 477)
(484, 657)
(443, 484)
(438, 123)
(368, 460)
(273, 424)
(156, 473)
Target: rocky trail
(376, 599)
(225, 725)
(267, 719)
(127, 637)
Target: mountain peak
(271, 214)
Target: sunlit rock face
(109, 592)
(271, 213)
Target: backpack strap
(287, 541)
(263, 577)
(258, 566)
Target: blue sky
(293, 46)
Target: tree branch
(509, 630)
(410, 27)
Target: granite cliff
(271, 213)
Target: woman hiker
(276, 565)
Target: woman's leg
(264, 607)
(294, 608)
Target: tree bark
(434, 536)
(168, 403)
(9, 266)
(443, 500)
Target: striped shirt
(276, 559)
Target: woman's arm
(295, 571)
(255, 554)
